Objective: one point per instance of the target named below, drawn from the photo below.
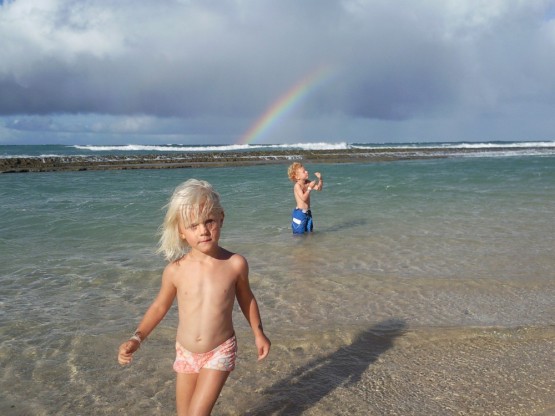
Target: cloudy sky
(287, 71)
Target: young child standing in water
(302, 216)
(205, 278)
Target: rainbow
(285, 104)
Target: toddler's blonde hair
(292, 171)
(193, 201)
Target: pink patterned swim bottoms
(220, 358)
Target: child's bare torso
(206, 291)
(301, 187)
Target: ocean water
(402, 251)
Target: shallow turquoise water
(456, 243)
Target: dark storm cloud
(391, 61)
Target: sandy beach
(445, 371)
(366, 372)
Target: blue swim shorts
(302, 221)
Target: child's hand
(126, 350)
(263, 346)
(312, 184)
(318, 175)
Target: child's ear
(181, 231)
(222, 220)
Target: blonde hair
(292, 171)
(192, 201)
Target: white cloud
(149, 65)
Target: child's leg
(184, 388)
(196, 394)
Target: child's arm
(320, 184)
(152, 317)
(302, 194)
(249, 306)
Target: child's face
(302, 173)
(202, 234)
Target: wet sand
(215, 159)
(364, 371)
(448, 371)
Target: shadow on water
(307, 385)
(343, 225)
(330, 229)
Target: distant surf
(216, 148)
(491, 149)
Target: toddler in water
(302, 216)
(205, 278)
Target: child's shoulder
(233, 261)
(230, 255)
(236, 260)
(174, 265)
(172, 271)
